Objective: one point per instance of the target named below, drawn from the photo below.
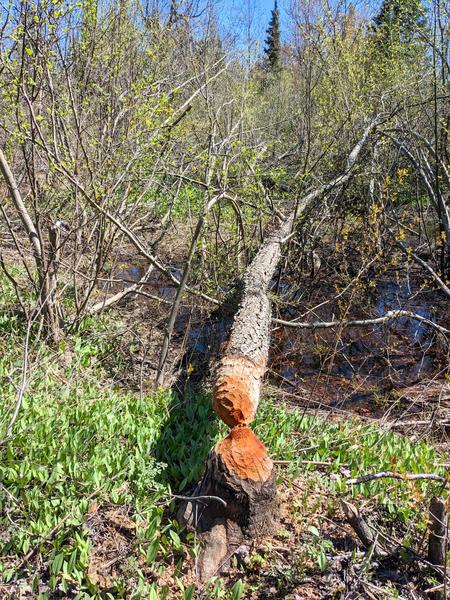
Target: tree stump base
(228, 508)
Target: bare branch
(395, 475)
(390, 315)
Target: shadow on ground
(193, 428)
(186, 439)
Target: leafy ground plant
(88, 474)
(88, 461)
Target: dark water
(378, 357)
(392, 296)
(130, 275)
(206, 338)
(394, 353)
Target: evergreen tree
(399, 25)
(173, 15)
(273, 45)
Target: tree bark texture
(438, 532)
(437, 543)
(239, 470)
(239, 479)
(46, 269)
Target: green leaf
(57, 563)
(237, 590)
(189, 592)
(175, 538)
(322, 561)
(314, 531)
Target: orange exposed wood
(236, 393)
(244, 454)
(239, 469)
(236, 398)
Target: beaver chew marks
(236, 393)
(239, 471)
(244, 454)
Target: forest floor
(87, 480)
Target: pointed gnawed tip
(244, 454)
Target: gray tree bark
(239, 478)
(46, 269)
(239, 470)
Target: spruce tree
(173, 15)
(273, 45)
(399, 25)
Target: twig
(433, 589)
(395, 475)
(23, 383)
(189, 498)
(209, 204)
(425, 265)
(421, 424)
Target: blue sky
(243, 17)
(262, 7)
(236, 15)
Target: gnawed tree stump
(236, 498)
(239, 470)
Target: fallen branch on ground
(421, 424)
(107, 302)
(384, 544)
(392, 314)
(375, 541)
(395, 475)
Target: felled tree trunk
(239, 470)
(236, 498)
